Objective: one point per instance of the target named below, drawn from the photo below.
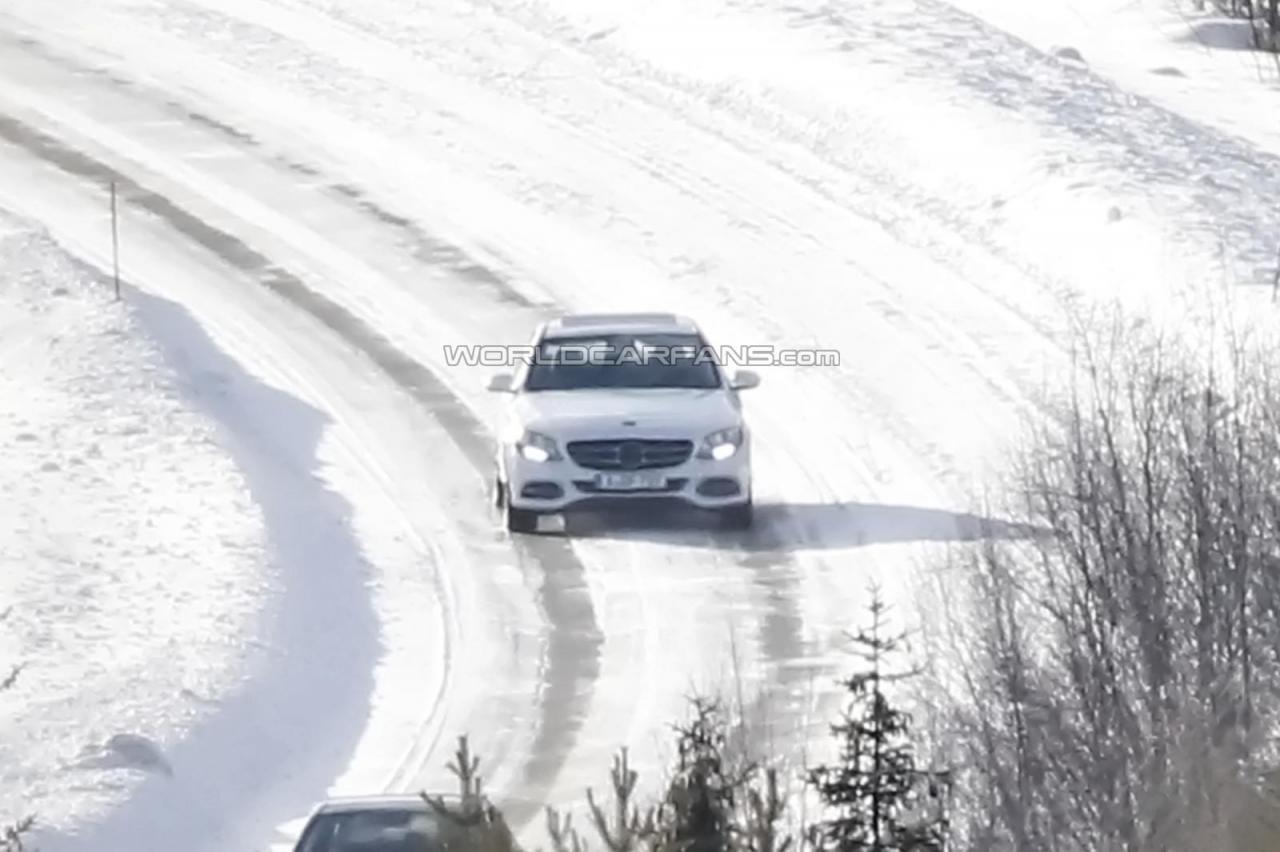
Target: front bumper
(556, 486)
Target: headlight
(721, 445)
(537, 447)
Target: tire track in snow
(576, 640)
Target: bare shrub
(11, 837)
(1117, 684)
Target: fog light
(542, 490)
(719, 486)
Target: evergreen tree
(473, 824)
(874, 792)
(702, 797)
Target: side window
(709, 354)
(317, 836)
(521, 372)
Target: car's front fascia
(542, 474)
(536, 465)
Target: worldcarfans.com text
(755, 355)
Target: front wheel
(520, 520)
(737, 517)
(515, 520)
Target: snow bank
(130, 550)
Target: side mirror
(745, 380)
(502, 383)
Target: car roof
(381, 802)
(585, 325)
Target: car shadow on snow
(782, 527)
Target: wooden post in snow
(115, 242)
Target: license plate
(630, 481)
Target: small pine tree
(703, 793)
(874, 791)
(475, 824)
(716, 799)
(629, 829)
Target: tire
(515, 520)
(520, 520)
(737, 517)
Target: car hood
(628, 413)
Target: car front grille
(629, 454)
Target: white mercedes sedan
(612, 408)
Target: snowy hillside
(1184, 55)
(131, 554)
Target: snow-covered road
(335, 196)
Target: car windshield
(623, 361)
(380, 830)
